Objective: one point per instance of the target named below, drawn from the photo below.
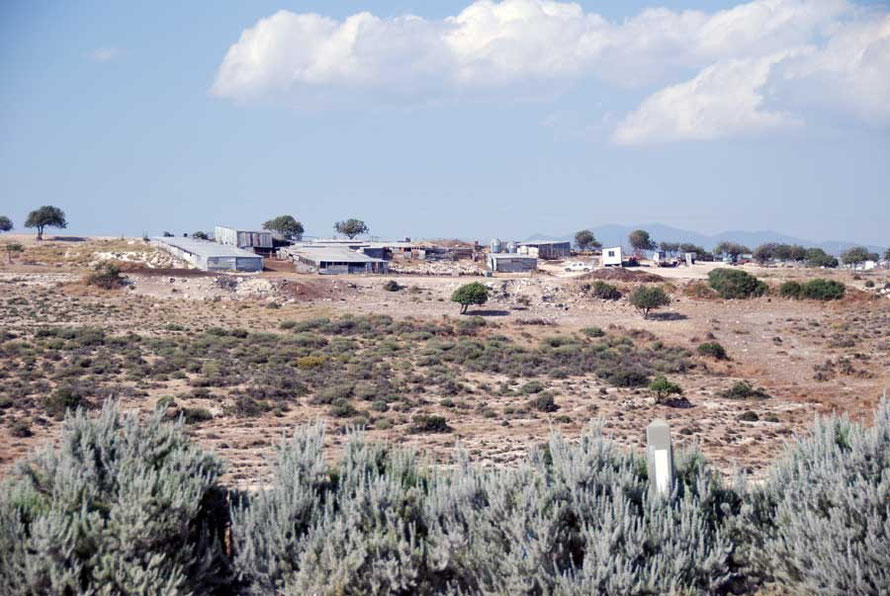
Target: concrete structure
(332, 260)
(660, 457)
(246, 239)
(511, 263)
(547, 250)
(211, 256)
(612, 257)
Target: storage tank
(511, 247)
(496, 246)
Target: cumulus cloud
(723, 100)
(494, 48)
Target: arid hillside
(246, 358)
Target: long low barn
(511, 263)
(212, 256)
(329, 260)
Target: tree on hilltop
(46, 216)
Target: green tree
(732, 249)
(351, 228)
(858, 255)
(765, 252)
(199, 235)
(816, 257)
(669, 247)
(286, 225)
(585, 240)
(46, 216)
(887, 255)
(5, 224)
(664, 388)
(648, 298)
(474, 293)
(640, 240)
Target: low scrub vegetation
(815, 289)
(735, 283)
(712, 349)
(353, 361)
(132, 506)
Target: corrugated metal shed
(550, 249)
(243, 238)
(212, 256)
(332, 260)
(511, 263)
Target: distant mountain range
(615, 235)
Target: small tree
(474, 293)
(732, 249)
(648, 298)
(199, 235)
(46, 216)
(664, 388)
(887, 255)
(585, 240)
(286, 225)
(858, 255)
(5, 224)
(816, 257)
(351, 228)
(640, 240)
(13, 248)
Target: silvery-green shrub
(574, 518)
(822, 519)
(123, 505)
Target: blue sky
(510, 119)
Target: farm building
(246, 239)
(547, 250)
(332, 260)
(612, 257)
(511, 263)
(212, 256)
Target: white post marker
(660, 454)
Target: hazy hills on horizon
(616, 234)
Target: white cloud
(103, 54)
(749, 59)
(723, 100)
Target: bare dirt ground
(810, 357)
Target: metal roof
(331, 254)
(545, 242)
(206, 248)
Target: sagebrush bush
(123, 506)
(822, 519)
(575, 518)
(130, 506)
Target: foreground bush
(123, 506)
(735, 283)
(823, 517)
(572, 519)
